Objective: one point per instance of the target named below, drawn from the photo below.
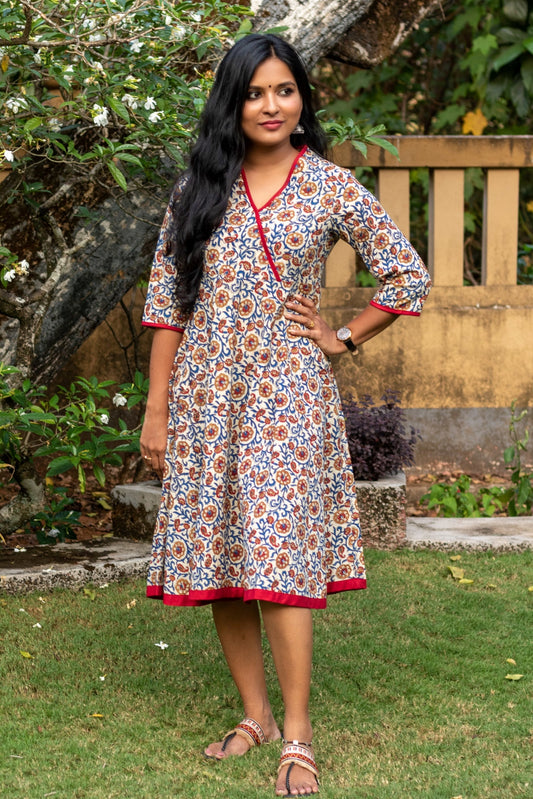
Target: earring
(299, 128)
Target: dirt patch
(43, 555)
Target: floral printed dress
(258, 497)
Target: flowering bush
(69, 430)
(104, 85)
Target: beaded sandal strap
(250, 730)
(300, 754)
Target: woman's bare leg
(239, 628)
(290, 634)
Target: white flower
(89, 23)
(101, 118)
(155, 116)
(23, 268)
(102, 678)
(150, 103)
(196, 17)
(37, 57)
(95, 37)
(119, 400)
(53, 532)
(39, 626)
(16, 103)
(8, 277)
(104, 418)
(136, 45)
(130, 101)
(98, 66)
(161, 645)
(54, 124)
(8, 155)
(168, 20)
(179, 32)
(132, 79)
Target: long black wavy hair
(201, 195)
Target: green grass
(409, 695)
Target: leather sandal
(249, 729)
(297, 753)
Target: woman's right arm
(154, 433)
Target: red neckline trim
(287, 179)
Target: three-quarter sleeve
(361, 221)
(161, 308)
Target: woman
(243, 421)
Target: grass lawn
(409, 695)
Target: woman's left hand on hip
(306, 321)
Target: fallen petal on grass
(514, 677)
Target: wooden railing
(447, 157)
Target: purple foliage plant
(379, 440)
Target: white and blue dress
(258, 497)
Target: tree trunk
(27, 503)
(313, 26)
(85, 269)
(358, 32)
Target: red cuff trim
(164, 327)
(197, 598)
(394, 310)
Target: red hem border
(198, 598)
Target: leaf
(4, 63)
(386, 145)
(465, 581)
(90, 593)
(26, 654)
(456, 573)
(530, 588)
(119, 108)
(455, 557)
(117, 175)
(507, 55)
(104, 503)
(516, 10)
(511, 661)
(96, 715)
(32, 123)
(514, 677)
(59, 465)
(131, 159)
(475, 122)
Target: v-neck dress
(258, 498)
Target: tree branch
(25, 35)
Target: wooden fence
(459, 366)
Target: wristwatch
(344, 334)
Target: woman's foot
(244, 736)
(297, 773)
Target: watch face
(344, 334)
